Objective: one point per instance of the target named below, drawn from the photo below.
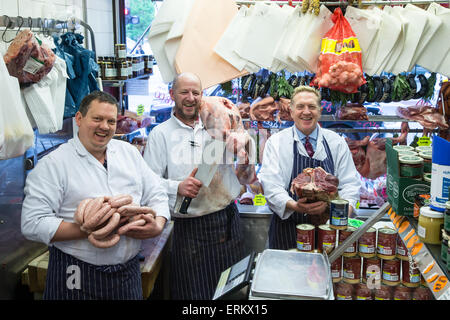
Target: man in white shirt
(91, 165)
(287, 153)
(207, 240)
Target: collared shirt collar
(198, 122)
(312, 136)
(81, 149)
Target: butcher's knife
(211, 158)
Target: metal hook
(7, 25)
(20, 25)
(30, 23)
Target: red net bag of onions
(340, 66)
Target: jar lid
(402, 147)
(402, 153)
(427, 177)
(430, 213)
(425, 154)
(423, 148)
(447, 205)
(411, 159)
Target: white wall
(99, 16)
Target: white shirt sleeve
(155, 155)
(274, 179)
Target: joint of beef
(352, 111)
(284, 106)
(429, 117)
(263, 109)
(316, 185)
(28, 60)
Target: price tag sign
(424, 141)
(259, 200)
(140, 110)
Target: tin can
(352, 269)
(401, 251)
(344, 291)
(362, 292)
(391, 272)
(386, 243)
(326, 238)
(305, 237)
(371, 270)
(367, 243)
(336, 270)
(410, 275)
(351, 249)
(383, 293)
(339, 214)
(402, 293)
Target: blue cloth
(312, 137)
(82, 70)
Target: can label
(339, 213)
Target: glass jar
(110, 71)
(401, 147)
(426, 156)
(122, 70)
(419, 149)
(411, 167)
(406, 153)
(429, 226)
(120, 51)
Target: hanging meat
(28, 59)
(284, 105)
(316, 185)
(352, 111)
(428, 116)
(263, 109)
(369, 156)
(244, 110)
(443, 103)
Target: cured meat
(428, 116)
(27, 59)
(352, 111)
(263, 109)
(369, 156)
(244, 110)
(316, 185)
(284, 105)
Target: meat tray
(292, 275)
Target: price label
(424, 141)
(140, 110)
(259, 200)
(440, 283)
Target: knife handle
(185, 205)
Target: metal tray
(281, 274)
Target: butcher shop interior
(380, 69)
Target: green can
(411, 167)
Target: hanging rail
(46, 25)
(345, 3)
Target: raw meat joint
(263, 109)
(352, 111)
(316, 185)
(28, 59)
(369, 156)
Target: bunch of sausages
(106, 218)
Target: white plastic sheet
(16, 133)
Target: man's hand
(313, 208)
(152, 228)
(190, 186)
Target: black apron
(107, 282)
(282, 233)
(202, 248)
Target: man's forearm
(68, 231)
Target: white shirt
(171, 154)
(70, 174)
(276, 170)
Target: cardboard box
(401, 191)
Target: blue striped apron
(282, 233)
(69, 278)
(202, 248)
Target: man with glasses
(287, 153)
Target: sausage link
(121, 200)
(107, 216)
(107, 242)
(128, 226)
(94, 219)
(110, 226)
(128, 210)
(79, 213)
(92, 207)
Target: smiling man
(287, 153)
(91, 165)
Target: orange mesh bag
(340, 66)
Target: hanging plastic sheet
(82, 70)
(16, 133)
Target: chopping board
(205, 25)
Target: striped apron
(69, 278)
(283, 233)
(202, 248)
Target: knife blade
(211, 158)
